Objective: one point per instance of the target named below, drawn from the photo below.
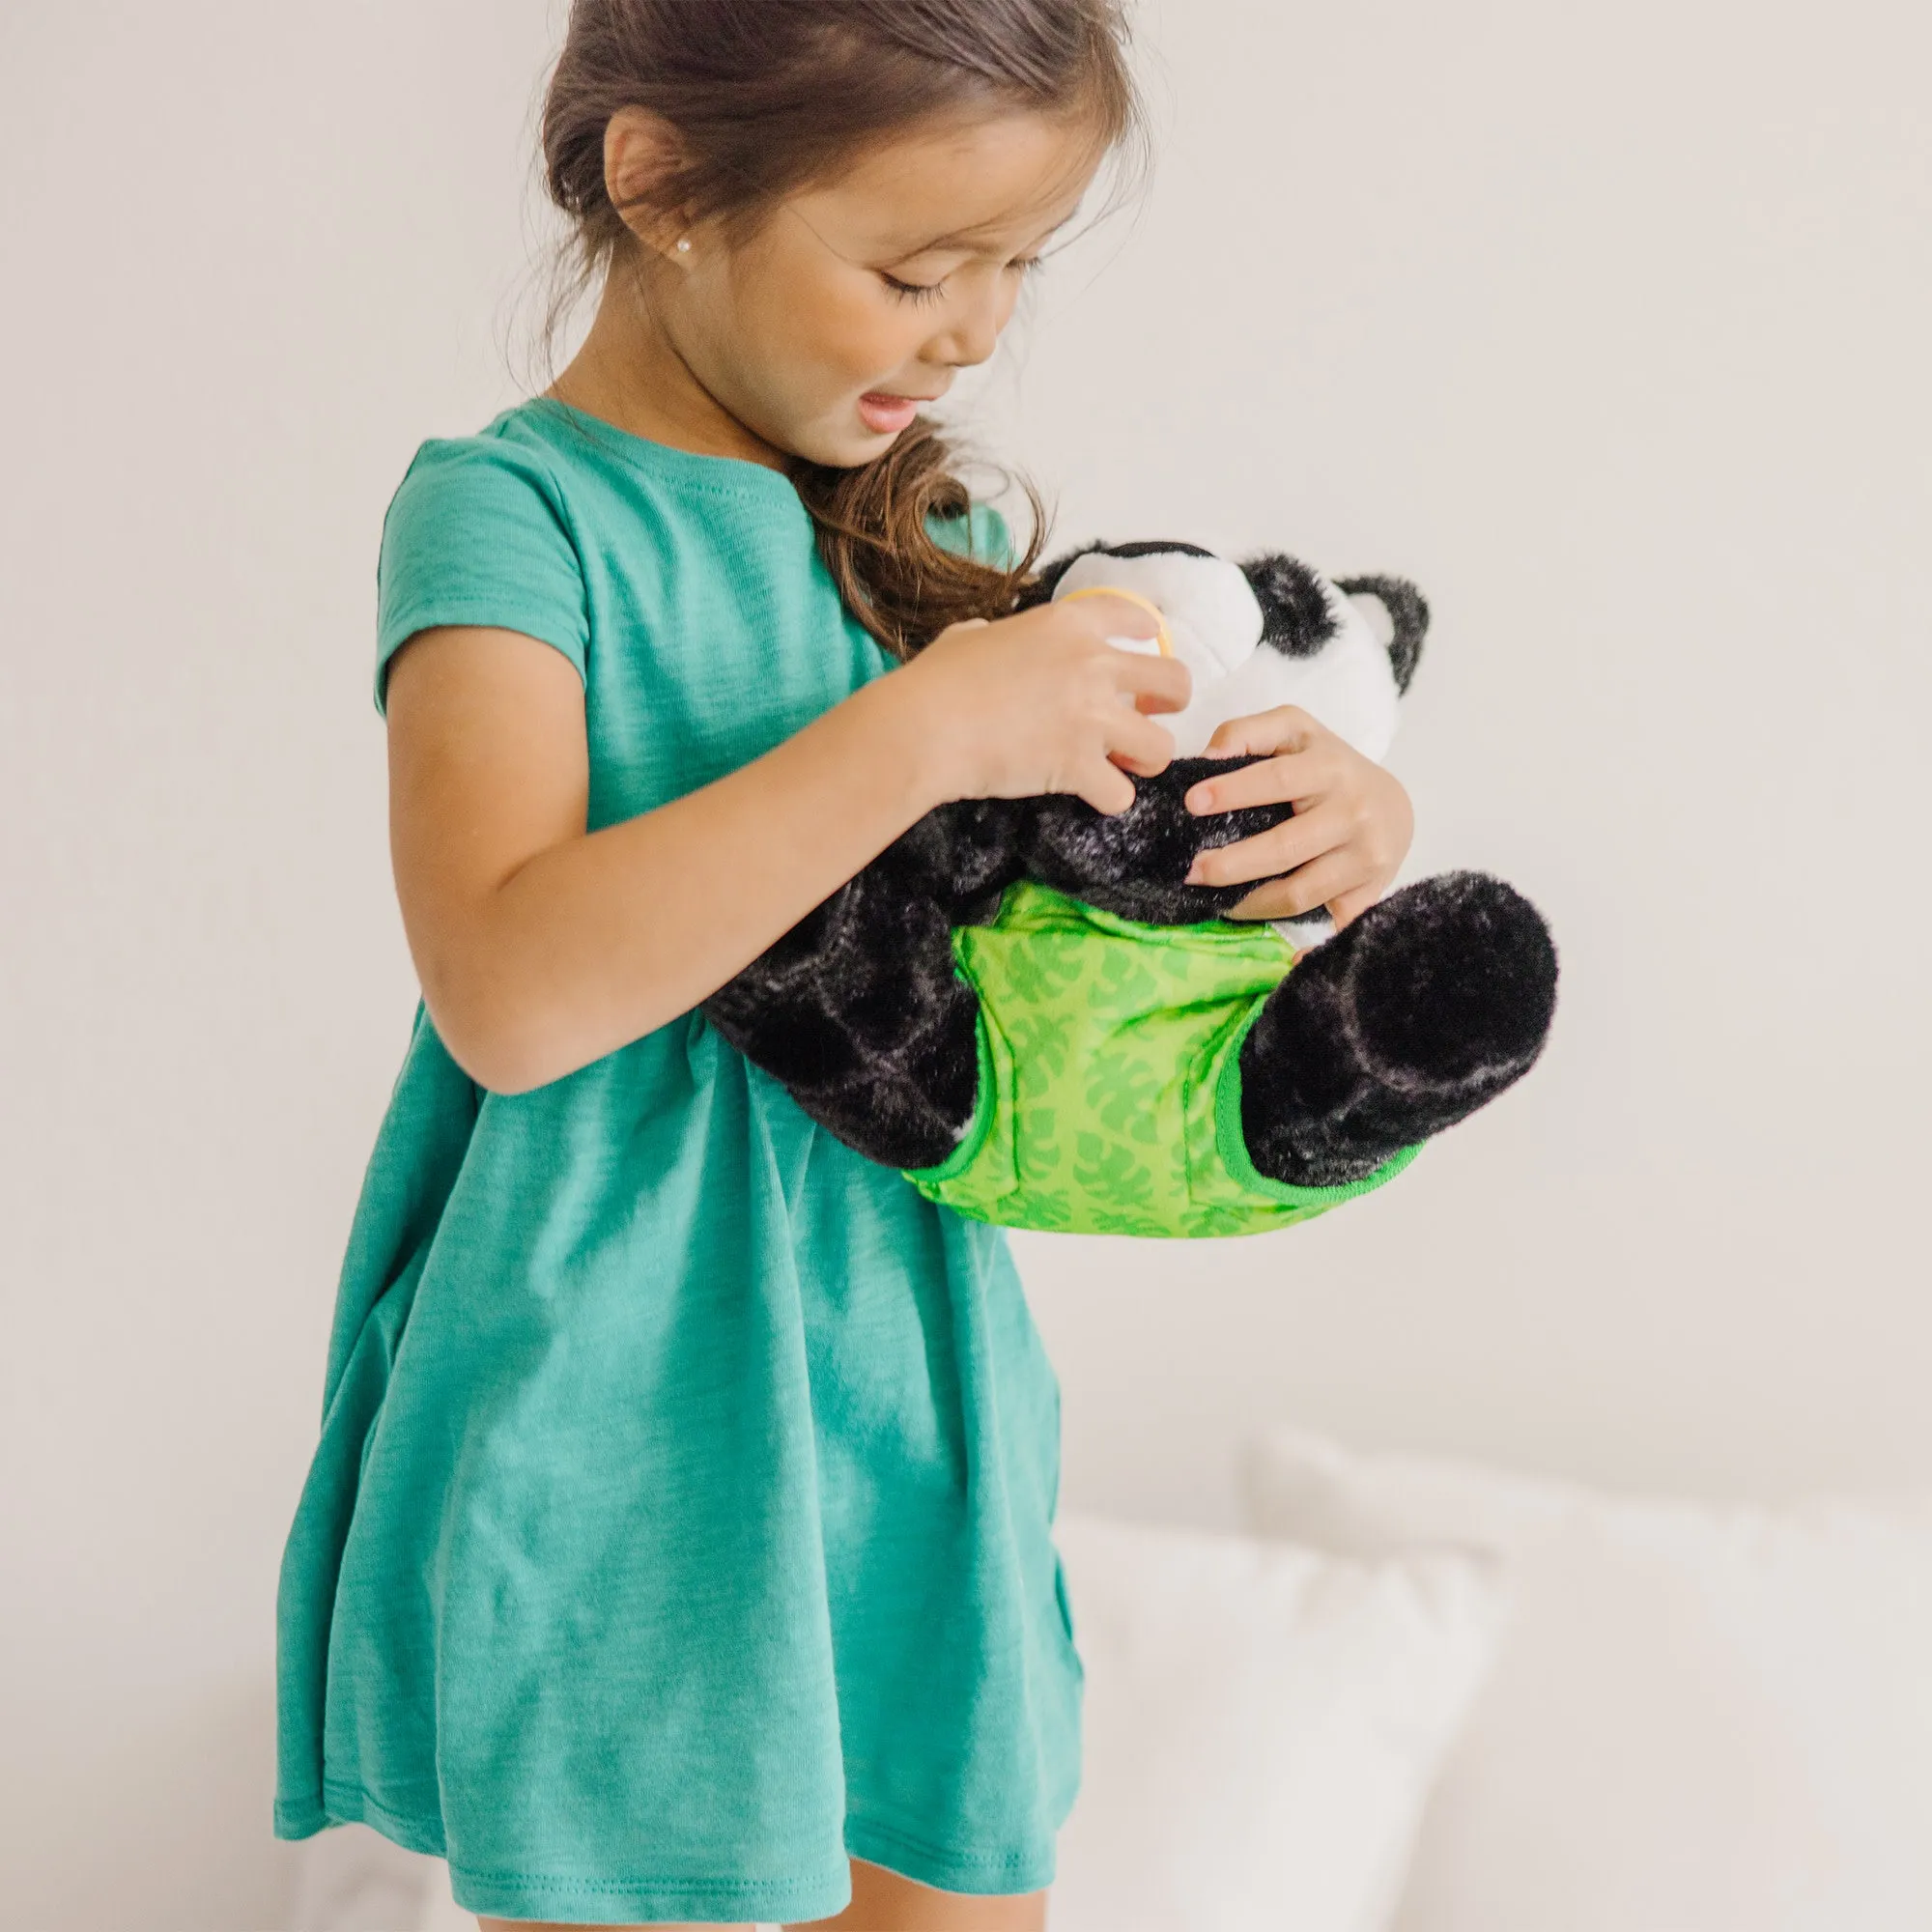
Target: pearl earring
(684, 246)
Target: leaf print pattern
(1123, 1090)
(1040, 969)
(1045, 1037)
(1109, 1172)
(1124, 986)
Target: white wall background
(1607, 327)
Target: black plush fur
(1046, 579)
(1425, 1008)
(1407, 1021)
(858, 1009)
(1295, 615)
(1135, 863)
(1409, 614)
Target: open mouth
(888, 413)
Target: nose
(973, 333)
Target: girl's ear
(642, 152)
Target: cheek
(824, 331)
(849, 339)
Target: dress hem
(975, 1873)
(564, 1900)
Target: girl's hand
(1350, 831)
(1041, 703)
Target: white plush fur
(1215, 625)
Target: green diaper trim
(978, 1129)
(1232, 1146)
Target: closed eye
(914, 292)
(930, 292)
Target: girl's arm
(542, 947)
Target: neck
(629, 373)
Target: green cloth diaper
(1110, 1078)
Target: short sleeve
(477, 534)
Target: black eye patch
(1297, 616)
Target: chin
(849, 450)
(841, 440)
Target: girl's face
(854, 303)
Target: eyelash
(929, 292)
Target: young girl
(678, 1548)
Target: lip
(888, 411)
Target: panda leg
(858, 1010)
(1406, 1022)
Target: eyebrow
(964, 238)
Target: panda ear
(1408, 614)
(1297, 617)
(1045, 581)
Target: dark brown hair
(771, 96)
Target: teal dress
(682, 1515)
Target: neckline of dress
(737, 474)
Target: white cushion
(1262, 1727)
(1702, 1719)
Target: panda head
(1270, 631)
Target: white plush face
(1215, 625)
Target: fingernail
(1198, 799)
(1193, 873)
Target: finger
(1297, 841)
(1139, 744)
(1285, 728)
(1102, 617)
(1106, 788)
(1314, 885)
(1351, 906)
(1292, 778)
(1154, 683)
(1270, 899)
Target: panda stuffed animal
(1023, 1004)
